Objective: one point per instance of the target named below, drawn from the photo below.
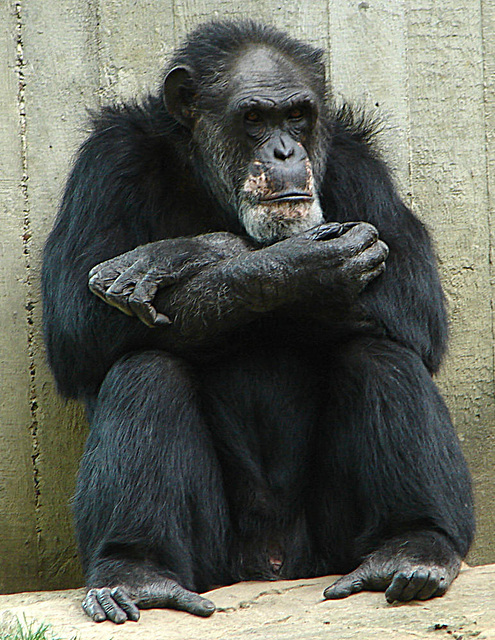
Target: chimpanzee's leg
(261, 406)
(150, 510)
(392, 492)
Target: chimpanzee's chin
(279, 220)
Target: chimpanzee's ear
(179, 89)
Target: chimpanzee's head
(254, 102)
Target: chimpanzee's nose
(282, 151)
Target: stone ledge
(285, 610)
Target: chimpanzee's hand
(417, 566)
(357, 254)
(130, 281)
(120, 604)
(338, 258)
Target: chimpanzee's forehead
(265, 73)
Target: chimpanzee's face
(274, 114)
(260, 145)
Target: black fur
(286, 435)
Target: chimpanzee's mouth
(289, 196)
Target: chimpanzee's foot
(417, 566)
(120, 604)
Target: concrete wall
(428, 67)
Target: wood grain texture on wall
(427, 68)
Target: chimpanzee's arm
(119, 196)
(336, 260)
(212, 284)
(84, 336)
(407, 302)
(130, 282)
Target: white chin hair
(274, 221)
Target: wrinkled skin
(119, 604)
(400, 569)
(332, 257)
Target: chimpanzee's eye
(252, 116)
(295, 114)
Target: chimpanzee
(256, 363)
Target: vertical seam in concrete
(329, 54)
(407, 79)
(94, 9)
(487, 174)
(26, 239)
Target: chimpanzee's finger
(117, 295)
(191, 602)
(171, 595)
(345, 586)
(97, 286)
(92, 607)
(140, 302)
(371, 257)
(417, 581)
(100, 279)
(112, 609)
(420, 583)
(124, 283)
(399, 582)
(443, 585)
(327, 231)
(368, 276)
(147, 313)
(124, 600)
(359, 237)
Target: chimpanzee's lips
(291, 196)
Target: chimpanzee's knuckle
(136, 299)
(112, 297)
(375, 256)
(383, 248)
(118, 593)
(95, 275)
(352, 243)
(346, 226)
(443, 585)
(137, 305)
(435, 576)
(425, 573)
(369, 228)
(95, 286)
(104, 596)
(115, 299)
(89, 603)
(419, 579)
(364, 233)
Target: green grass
(23, 630)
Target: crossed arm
(202, 287)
